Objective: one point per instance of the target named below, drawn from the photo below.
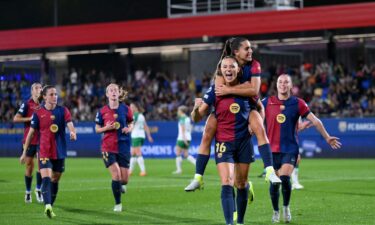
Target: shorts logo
(54, 128)
(280, 118)
(234, 108)
(117, 125)
(219, 155)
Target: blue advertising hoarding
(356, 135)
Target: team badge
(219, 155)
(117, 125)
(53, 128)
(280, 118)
(115, 115)
(282, 107)
(53, 117)
(234, 108)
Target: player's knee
(227, 180)
(241, 183)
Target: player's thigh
(256, 125)
(226, 173)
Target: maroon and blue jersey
(232, 113)
(26, 110)
(112, 140)
(51, 126)
(249, 70)
(281, 119)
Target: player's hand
(22, 158)
(304, 125)
(334, 142)
(73, 136)
(221, 90)
(126, 130)
(110, 126)
(197, 102)
(150, 139)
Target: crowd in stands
(331, 91)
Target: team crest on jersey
(282, 107)
(53, 128)
(234, 108)
(115, 115)
(280, 118)
(117, 125)
(53, 117)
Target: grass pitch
(336, 192)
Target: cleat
(251, 192)
(271, 176)
(38, 195)
(142, 174)
(28, 198)
(275, 217)
(235, 216)
(286, 214)
(123, 189)
(118, 208)
(177, 172)
(297, 186)
(48, 211)
(194, 185)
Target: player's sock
(266, 154)
(178, 163)
(38, 181)
(201, 164)
(274, 193)
(191, 159)
(28, 181)
(242, 199)
(141, 163)
(116, 189)
(227, 203)
(295, 176)
(133, 160)
(46, 190)
(286, 189)
(54, 190)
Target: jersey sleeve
(209, 97)
(99, 119)
(67, 115)
(35, 121)
(303, 109)
(265, 102)
(129, 116)
(23, 109)
(255, 69)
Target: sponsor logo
(280, 118)
(234, 108)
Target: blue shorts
(32, 150)
(122, 159)
(57, 165)
(284, 158)
(239, 151)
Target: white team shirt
(139, 127)
(185, 120)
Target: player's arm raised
(200, 110)
(246, 89)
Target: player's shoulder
(255, 62)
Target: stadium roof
(314, 18)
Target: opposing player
(24, 115)
(50, 121)
(183, 139)
(282, 113)
(138, 138)
(249, 87)
(115, 121)
(234, 151)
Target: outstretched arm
(332, 141)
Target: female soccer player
(50, 120)
(249, 86)
(115, 120)
(138, 138)
(183, 139)
(233, 152)
(282, 113)
(24, 115)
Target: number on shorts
(220, 147)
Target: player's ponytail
(123, 94)
(44, 92)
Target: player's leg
(226, 173)
(256, 123)
(295, 181)
(140, 160)
(203, 153)
(46, 173)
(38, 191)
(243, 187)
(190, 158)
(123, 162)
(275, 189)
(133, 159)
(110, 162)
(58, 167)
(29, 167)
(288, 162)
(178, 158)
